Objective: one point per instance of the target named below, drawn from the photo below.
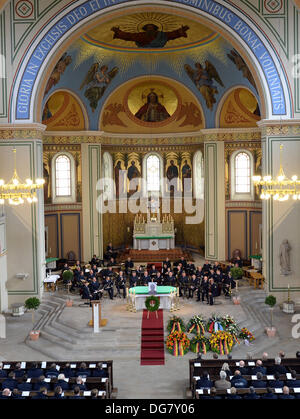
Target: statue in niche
(284, 257)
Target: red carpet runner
(152, 348)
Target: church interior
(149, 199)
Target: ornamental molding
(243, 204)
(22, 131)
(62, 207)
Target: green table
(141, 293)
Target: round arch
(227, 19)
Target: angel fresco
(97, 80)
(203, 79)
(235, 57)
(58, 70)
(151, 37)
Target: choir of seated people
(206, 282)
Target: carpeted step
(153, 332)
(152, 354)
(152, 362)
(152, 345)
(152, 338)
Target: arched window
(63, 178)
(153, 173)
(241, 174)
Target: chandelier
(279, 188)
(15, 191)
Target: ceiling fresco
(142, 45)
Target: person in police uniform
(171, 279)
(212, 291)
(203, 289)
(108, 286)
(128, 266)
(146, 278)
(121, 284)
(133, 279)
(193, 286)
(183, 281)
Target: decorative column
(281, 219)
(92, 217)
(25, 231)
(214, 200)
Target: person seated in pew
(23, 385)
(99, 371)
(3, 373)
(216, 266)
(77, 281)
(183, 262)
(94, 261)
(94, 286)
(233, 395)
(90, 276)
(238, 381)
(6, 394)
(76, 394)
(41, 383)
(269, 395)
(52, 372)
(222, 383)
(83, 371)
(199, 272)
(206, 267)
(86, 293)
(225, 367)
(15, 394)
(58, 393)
(61, 381)
(286, 394)
(139, 273)
(68, 371)
(293, 382)
(252, 395)
(42, 394)
(153, 271)
(34, 371)
(170, 279)
(243, 369)
(80, 384)
(95, 269)
(183, 281)
(190, 268)
(258, 368)
(227, 284)
(78, 265)
(111, 262)
(19, 372)
(259, 383)
(277, 383)
(277, 367)
(193, 285)
(94, 393)
(204, 381)
(10, 381)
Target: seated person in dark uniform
(41, 383)
(212, 291)
(243, 369)
(67, 370)
(277, 367)
(86, 293)
(42, 394)
(203, 289)
(216, 266)
(61, 382)
(133, 279)
(121, 284)
(183, 284)
(91, 275)
(227, 283)
(65, 268)
(95, 291)
(259, 383)
(111, 262)
(110, 252)
(153, 271)
(19, 372)
(206, 267)
(94, 260)
(190, 268)
(159, 279)
(83, 371)
(77, 264)
(269, 394)
(238, 262)
(183, 262)
(34, 371)
(10, 381)
(76, 394)
(146, 278)
(108, 286)
(171, 280)
(58, 393)
(80, 384)
(167, 262)
(293, 382)
(277, 383)
(128, 265)
(95, 269)
(251, 395)
(193, 285)
(204, 381)
(23, 385)
(238, 381)
(99, 371)
(52, 371)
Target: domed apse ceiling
(150, 44)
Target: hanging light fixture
(279, 188)
(16, 191)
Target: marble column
(281, 219)
(25, 231)
(214, 200)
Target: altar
(138, 296)
(152, 233)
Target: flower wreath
(178, 343)
(176, 323)
(246, 334)
(196, 325)
(221, 342)
(152, 303)
(200, 344)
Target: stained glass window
(63, 176)
(153, 173)
(242, 173)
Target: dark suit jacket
(204, 383)
(259, 384)
(293, 383)
(34, 372)
(9, 383)
(276, 383)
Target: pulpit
(97, 321)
